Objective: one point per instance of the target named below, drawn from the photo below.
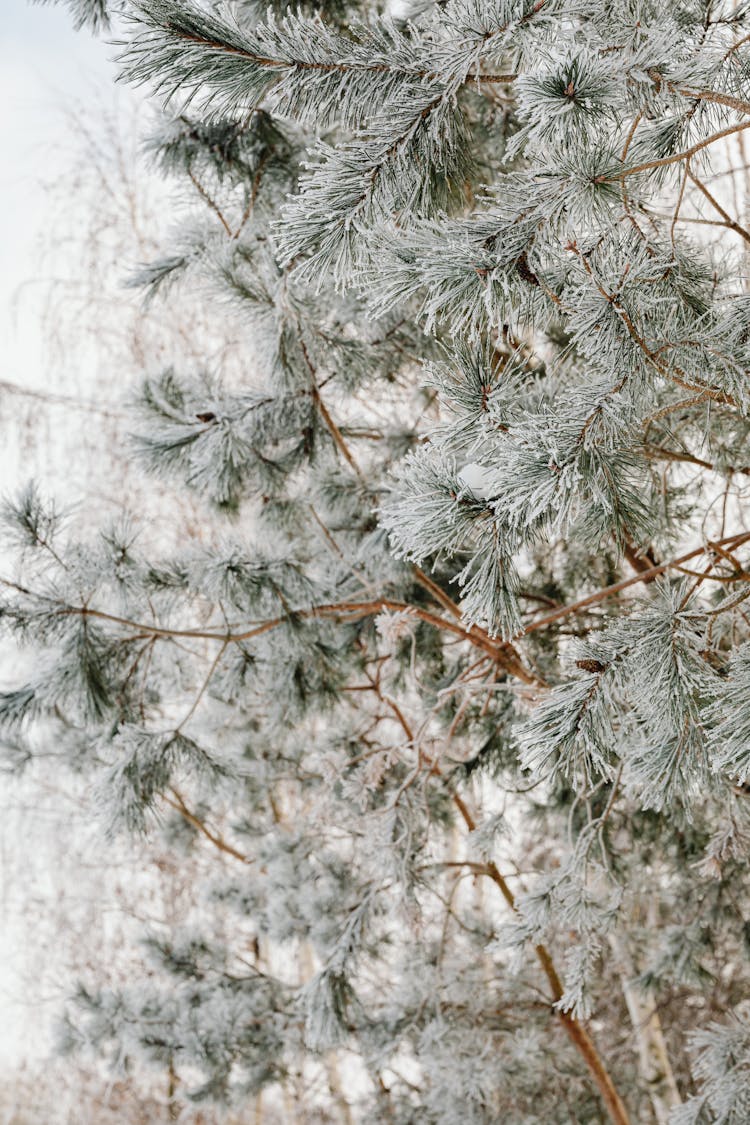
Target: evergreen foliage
(457, 682)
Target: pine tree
(458, 686)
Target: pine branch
(575, 1030)
(176, 801)
(617, 587)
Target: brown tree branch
(176, 802)
(728, 220)
(617, 587)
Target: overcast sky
(44, 64)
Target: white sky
(44, 64)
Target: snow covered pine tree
(459, 695)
